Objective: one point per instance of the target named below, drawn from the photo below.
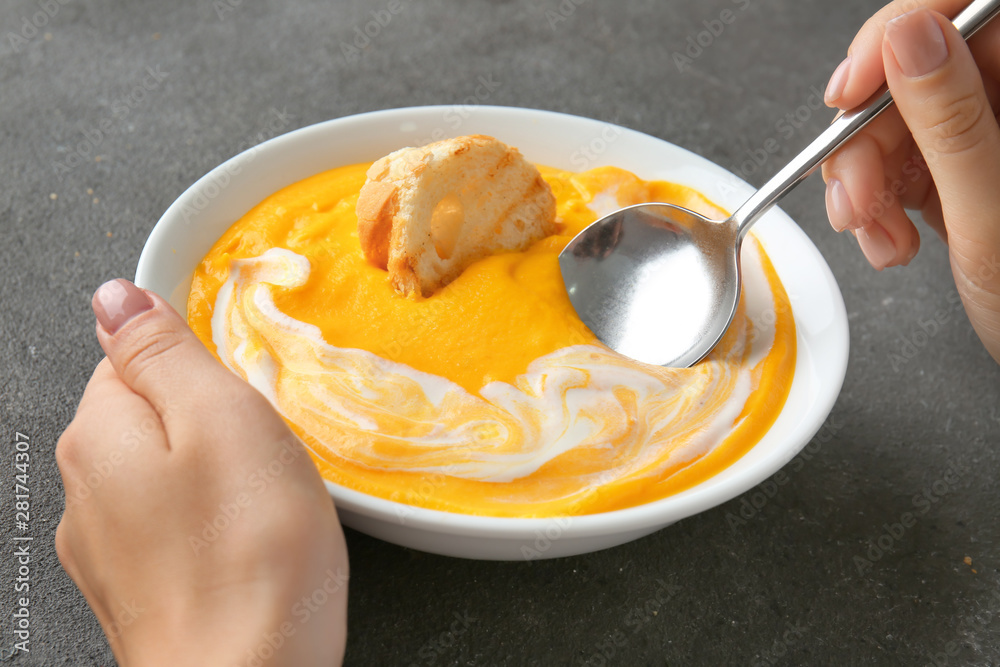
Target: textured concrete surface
(94, 148)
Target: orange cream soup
(489, 397)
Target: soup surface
(489, 397)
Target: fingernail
(877, 245)
(917, 42)
(838, 80)
(838, 205)
(913, 253)
(116, 302)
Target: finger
(985, 45)
(861, 197)
(106, 398)
(904, 240)
(861, 73)
(940, 94)
(103, 448)
(904, 167)
(889, 132)
(931, 212)
(153, 350)
(853, 174)
(886, 136)
(112, 418)
(907, 174)
(67, 454)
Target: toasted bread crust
(375, 209)
(425, 214)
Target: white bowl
(198, 218)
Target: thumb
(940, 94)
(151, 347)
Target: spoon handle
(972, 18)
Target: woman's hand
(196, 525)
(938, 152)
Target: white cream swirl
(620, 418)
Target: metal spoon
(660, 283)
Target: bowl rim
(661, 512)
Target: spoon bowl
(676, 260)
(660, 284)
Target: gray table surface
(94, 150)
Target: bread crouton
(425, 214)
